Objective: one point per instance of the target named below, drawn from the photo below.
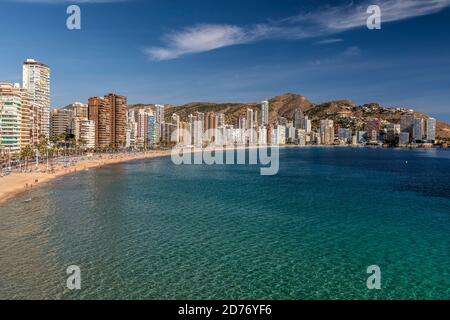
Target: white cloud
(322, 22)
(198, 39)
(329, 41)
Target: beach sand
(17, 183)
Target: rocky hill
(344, 112)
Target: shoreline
(18, 183)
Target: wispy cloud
(323, 22)
(328, 41)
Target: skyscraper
(25, 123)
(250, 118)
(36, 79)
(299, 119)
(418, 130)
(142, 128)
(151, 129)
(159, 109)
(110, 116)
(118, 105)
(431, 130)
(196, 127)
(407, 124)
(327, 131)
(211, 125)
(265, 113)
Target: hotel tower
(109, 114)
(36, 79)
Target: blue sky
(161, 51)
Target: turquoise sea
(153, 230)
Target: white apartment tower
(265, 113)
(36, 79)
(431, 130)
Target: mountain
(343, 112)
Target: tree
(25, 154)
(43, 144)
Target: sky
(175, 52)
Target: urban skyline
(106, 122)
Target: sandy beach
(17, 183)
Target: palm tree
(25, 154)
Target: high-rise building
(131, 129)
(407, 124)
(211, 125)
(250, 119)
(36, 79)
(299, 119)
(110, 116)
(196, 127)
(159, 109)
(151, 134)
(84, 131)
(167, 130)
(220, 120)
(279, 135)
(265, 113)
(100, 113)
(118, 119)
(418, 130)
(372, 127)
(142, 128)
(10, 118)
(301, 137)
(431, 130)
(327, 131)
(392, 132)
(308, 124)
(60, 122)
(176, 121)
(25, 123)
(79, 110)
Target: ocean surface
(153, 230)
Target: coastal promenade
(17, 183)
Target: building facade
(109, 114)
(36, 79)
(61, 123)
(10, 118)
